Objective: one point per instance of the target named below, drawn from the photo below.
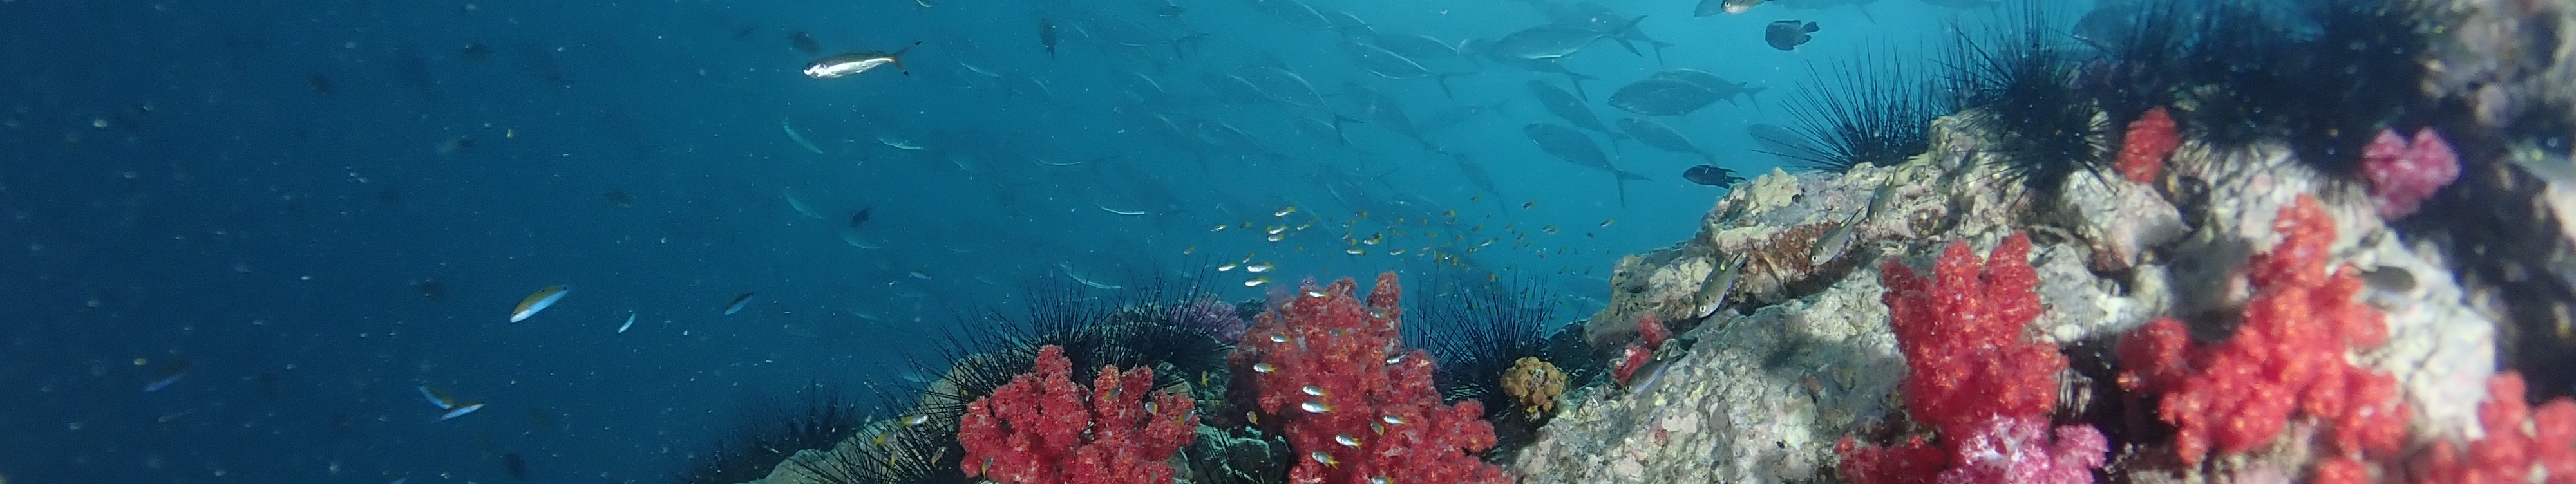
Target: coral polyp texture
(2287, 357)
(1327, 371)
(1976, 377)
(2404, 171)
(1535, 384)
(1041, 428)
(2520, 443)
(2143, 150)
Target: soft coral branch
(2288, 357)
(1974, 376)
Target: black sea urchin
(2322, 76)
(1130, 328)
(2023, 80)
(1871, 110)
(770, 432)
(1476, 327)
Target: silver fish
(856, 62)
(1388, 64)
(1724, 89)
(1574, 147)
(1565, 106)
(1557, 40)
(1284, 85)
(1719, 284)
(1662, 137)
(1662, 97)
(1295, 13)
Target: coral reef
(1326, 371)
(1040, 428)
(1536, 385)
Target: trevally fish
(1388, 64)
(1662, 137)
(1662, 97)
(1574, 147)
(1284, 85)
(1295, 13)
(1724, 89)
(1564, 105)
(1557, 40)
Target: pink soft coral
(2402, 173)
(2020, 450)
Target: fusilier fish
(738, 303)
(539, 301)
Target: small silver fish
(1835, 242)
(842, 65)
(1720, 283)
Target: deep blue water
(258, 191)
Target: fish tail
(1618, 179)
(896, 58)
(1577, 81)
(1443, 81)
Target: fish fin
(896, 58)
(1618, 179)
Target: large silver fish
(1285, 86)
(1724, 89)
(1557, 40)
(1383, 111)
(1662, 137)
(857, 62)
(1235, 90)
(1662, 97)
(1388, 64)
(1574, 147)
(1295, 13)
(1564, 105)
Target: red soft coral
(1041, 429)
(1962, 334)
(1650, 337)
(2519, 442)
(1330, 373)
(2287, 357)
(2143, 150)
(1974, 376)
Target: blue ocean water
(304, 210)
